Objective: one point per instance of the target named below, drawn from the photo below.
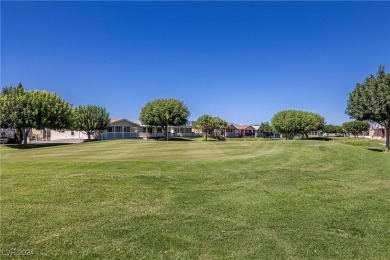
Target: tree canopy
(23, 110)
(356, 127)
(292, 122)
(209, 124)
(265, 129)
(370, 100)
(333, 129)
(90, 119)
(164, 113)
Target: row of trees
(353, 127)
(23, 110)
(173, 112)
(370, 101)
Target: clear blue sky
(242, 61)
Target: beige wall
(67, 134)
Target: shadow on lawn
(33, 146)
(321, 138)
(375, 149)
(174, 139)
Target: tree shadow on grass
(321, 138)
(375, 149)
(174, 139)
(34, 146)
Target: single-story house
(123, 129)
(246, 130)
(232, 131)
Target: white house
(124, 129)
(66, 134)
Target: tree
(265, 129)
(356, 127)
(164, 113)
(209, 124)
(370, 100)
(219, 125)
(23, 110)
(90, 119)
(292, 122)
(333, 129)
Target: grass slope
(180, 200)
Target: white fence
(132, 135)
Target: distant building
(376, 132)
(6, 134)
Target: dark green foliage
(90, 119)
(370, 101)
(22, 110)
(266, 129)
(209, 124)
(356, 127)
(164, 113)
(293, 122)
(333, 129)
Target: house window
(118, 129)
(72, 133)
(127, 129)
(110, 129)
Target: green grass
(208, 200)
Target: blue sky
(242, 61)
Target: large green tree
(292, 122)
(164, 113)
(90, 119)
(370, 100)
(23, 110)
(209, 124)
(356, 127)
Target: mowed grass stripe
(134, 150)
(283, 199)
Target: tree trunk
(25, 135)
(387, 130)
(167, 131)
(89, 136)
(19, 135)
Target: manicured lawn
(210, 200)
